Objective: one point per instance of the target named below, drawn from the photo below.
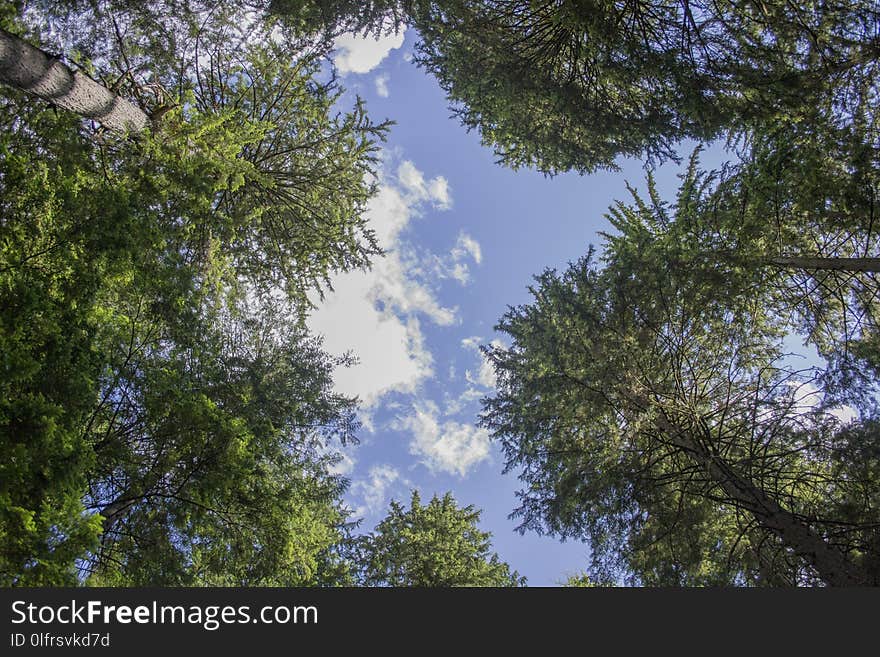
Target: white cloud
(435, 190)
(438, 191)
(373, 491)
(396, 288)
(810, 397)
(485, 373)
(454, 265)
(455, 405)
(381, 82)
(844, 414)
(460, 272)
(450, 447)
(391, 352)
(361, 54)
(467, 245)
(472, 342)
(388, 213)
(345, 465)
(376, 315)
(412, 179)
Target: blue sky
(464, 238)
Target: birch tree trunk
(30, 69)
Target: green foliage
(437, 544)
(788, 227)
(295, 214)
(165, 415)
(808, 192)
(61, 234)
(334, 17)
(579, 580)
(209, 455)
(247, 118)
(649, 410)
(573, 84)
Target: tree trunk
(31, 70)
(113, 511)
(829, 563)
(836, 264)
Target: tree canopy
(181, 179)
(165, 411)
(433, 545)
(565, 85)
(572, 85)
(650, 409)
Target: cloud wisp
(451, 447)
(381, 82)
(484, 374)
(377, 315)
(373, 491)
(362, 54)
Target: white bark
(29, 69)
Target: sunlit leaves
(436, 545)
